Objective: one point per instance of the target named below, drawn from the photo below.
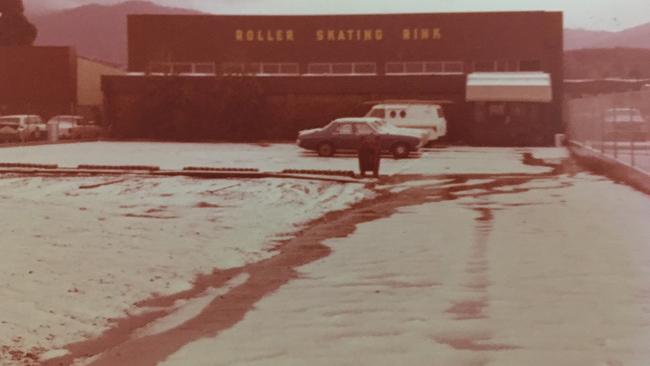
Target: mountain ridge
(98, 31)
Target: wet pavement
(519, 270)
(545, 265)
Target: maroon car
(344, 134)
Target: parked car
(426, 116)
(22, 127)
(344, 134)
(625, 124)
(75, 127)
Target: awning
(509, 87)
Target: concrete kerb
(212, 173)
(608, 166)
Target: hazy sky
(589, 14)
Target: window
(181, 68)
(204, 68)
(343, 129)
(402, 114)
(485, 66)
(424, 67)
(395, 68)
(377, 113)
(270, 68)
(260, 68)
(252, 68)
(502, 65)
(414, 68)
(364, 129)
(289, 69)
(232, 68)
(160, 68)
(530, 65)
(433, 67)
(342, 68)
(318, 68)
(453, 67)
(365, 68)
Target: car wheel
(325, 149)
(400, 151)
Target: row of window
(343, 68)
(508, 65)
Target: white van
(424, 115)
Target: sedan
(344, 134)
(75, 127)
(21, 127)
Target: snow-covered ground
(551, 272)
(74, 258)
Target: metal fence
(615, 125)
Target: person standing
(369, 154)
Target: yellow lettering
(331, 36)
(367, 34)
(260, 36)
(341, 36)
(358, 35)
(250, 35)
(406, 34)
(290, 35)
(379, 35)
(437, 34)
(320, 35)
(239, 35)
(424, 33)
(269, 36)
(350, 33)
(279, 35)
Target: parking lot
(459, 250)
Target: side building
(230, 77)
(38, 80)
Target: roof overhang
(509, 87)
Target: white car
(426, 116)
(22, 127)
(75, 127)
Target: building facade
(38, 80)
(354, 58)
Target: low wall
(611, 167)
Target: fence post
(615, 134)
(601, 138)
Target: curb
(610, 167)
(118, 167)
(28, 165)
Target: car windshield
(377, 112)
(385, 126)
(66, 124)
